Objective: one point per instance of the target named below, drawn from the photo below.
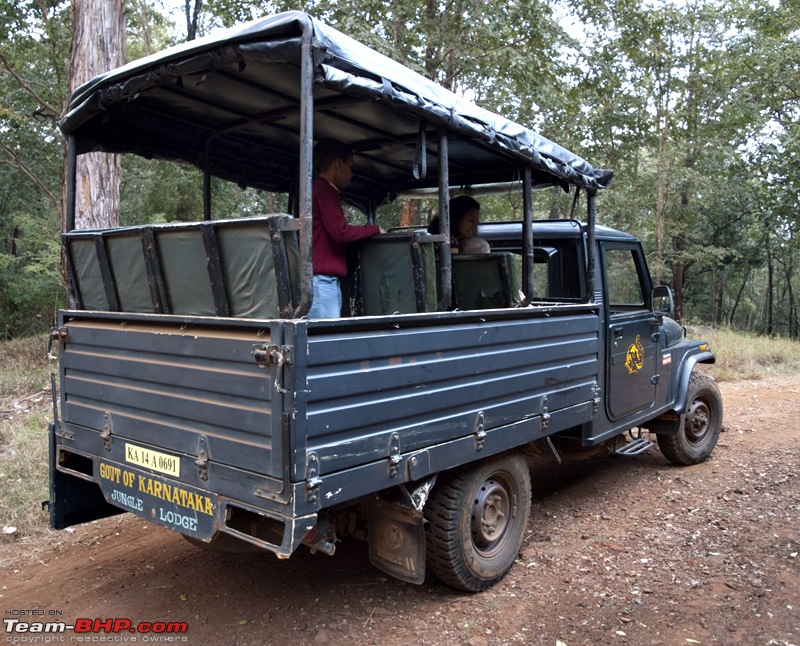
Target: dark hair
(459, 206)
(328, 151)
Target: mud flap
(74, 500)
(667, 424)
(397, 541)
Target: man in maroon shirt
(330, 231)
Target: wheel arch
(687, 367)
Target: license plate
(155, 460)
(185, 509)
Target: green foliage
(30, 261)
(696, 106)
(32, 92)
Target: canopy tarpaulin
(230, 104)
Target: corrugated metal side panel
(428, 384)
(165, 387)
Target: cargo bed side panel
(432, 384)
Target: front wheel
(702, 423)
(478, 515)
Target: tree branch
(20, 165)
(27, 87)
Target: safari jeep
(196, 393)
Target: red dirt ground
(618, 551)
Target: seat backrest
(394, 273)
(483, 281)
(245, 267)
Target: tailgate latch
(58, 335)
(272, 355)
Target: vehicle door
(631, 344)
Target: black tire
(478, 515)
(697, 436)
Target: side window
(623, 285)
(541, 275)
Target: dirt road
(618, 551)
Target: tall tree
(192, 17)
(98, 45)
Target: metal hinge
(108, 429)
(313, 481)
(480, 432)
(545, 414)
(272, 355)
(202, 458)
(395, 458)
(595, 399)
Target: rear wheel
(702, 423)
(478, 515)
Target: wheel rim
(698, 421)
(491, 515)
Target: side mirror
(662, 300)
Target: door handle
(618, 332)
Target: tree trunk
(739, 298)
(145, 20)
(718, 290)
(409, 214)
(678, 270)
(661, 195)
(192, 16)
(792, 314)
(555, 205)
(769, 296)
(98, 45)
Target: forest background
(694, 104)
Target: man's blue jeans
(327, 298)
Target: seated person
(465, 215)
(464, 219)
(474, 244)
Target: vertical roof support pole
(305, 172)
(206, 191)
(591, 194)
(444, 223)
(68, 222)
(71, 178)
(527, 235)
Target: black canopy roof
(230, 103)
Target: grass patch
(742, 356)
(24, 481)
(25, 411)
(26, 369)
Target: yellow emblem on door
(634, 361)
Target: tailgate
(194, 392)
